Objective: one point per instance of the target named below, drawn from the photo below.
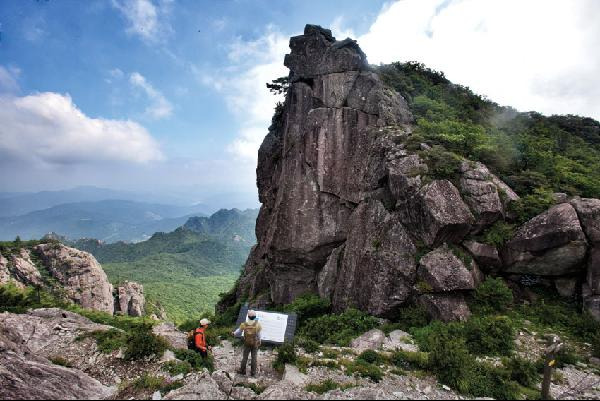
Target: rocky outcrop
(174, 337)
(485, 193)
(26, 374)
(23, 269)
(5, 276)
(351, 197)
(446, 307)
(80, 275)
(486, 256)
(443, 271)
(372, 339)
(130, 299)
(551, 244)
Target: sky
(169, 96)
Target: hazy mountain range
(105, 214)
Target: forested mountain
(187, 268)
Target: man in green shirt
(251, 332)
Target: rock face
(131, 299)
(80, 275)
(442, 271)
(551, 244)
(25, 374)
(350, 200)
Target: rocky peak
(349, 202)
(130, 299)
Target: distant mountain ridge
(107, 220)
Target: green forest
(534, 154)
(183, 271)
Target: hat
(251, 313)
(204, 322)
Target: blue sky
(166, 95)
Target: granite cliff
(352, 211)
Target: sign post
(277, 328)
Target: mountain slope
(108, 220)
(183, 270)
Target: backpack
(197, 340)
(251, 334)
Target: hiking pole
(554, 345)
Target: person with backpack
(251, 331)
(197, 339)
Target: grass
(60, 361)
(328, 385)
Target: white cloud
(160, 107)
(48, 129)
(146, 19)
(8, 79)
(534, 55)
(254, 63)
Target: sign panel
(277, 327)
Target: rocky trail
(46, 354)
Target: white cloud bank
(48, 128)
(541, 55)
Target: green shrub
(370, 356)
(425, 336)
(308, 306)
(566, 356)
(489, 335)
(596, 345)
(522, 371)
(255, 387)
(404, 359)
(532, 205)
(366, 370)
(486, 380)
(175, 368)
(338, 329)
(309, 345)
(286, 354)
(142, 343)
(107, 341)
(498, 234)
(60, 361)
(493, 295)
(327, 385)
(450, 360)
(149, 382)
(442, 164)
(195, 359)
(412, 316)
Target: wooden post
(553, 347)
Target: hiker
(197, 339)
(251, 330)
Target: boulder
(446, 307)
(443, 271)
(293, 376)
(5, 277)
(400, 340)
(372, 339)
(593, 270)
(566, 287)
(199, 386)
(378, 266)
(438, 213)
(550, 244)
(174, 337)
(131, 299)
(486, 256)
(24, 271)
(80, 275)
(404, 176)
(588, 211)
(480, 193)
(25, 374)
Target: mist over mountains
(104, 214)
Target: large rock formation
(80, 275)
(551, 244)
(130, 299)
(349, 205)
